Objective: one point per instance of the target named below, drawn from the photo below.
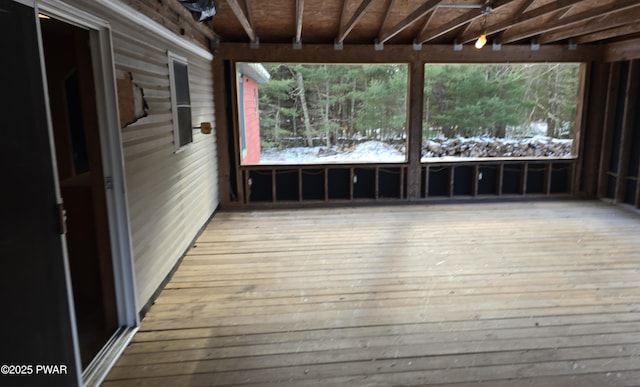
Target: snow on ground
(437, 149)
(367, 152)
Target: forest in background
(501, 100)
(330, 105)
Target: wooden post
(548, 174)
(579, 131)
(608, 128)
(592, 128)
(351, 183)
(222, 135)
(524, 179)
(300, 184)
(246, 191)
(415, 106)
(638, 189)
(500, 178)
(403, 191)
(476, 180)
(452, 179)
(274, 182)
(326, 184)
(628, 116)
(426, 180)
(376, 178)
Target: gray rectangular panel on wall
(37, 328)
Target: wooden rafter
(299, 13)
(427, 21)
(468, 17)
(522, 8)
(457, 23)
(617, 19)
(343, 14)
(562, 13)
(608, 34)
(383, 25)
(249, 9)
(523, 18)
(242, 18)
(419, 12)
(365, 5)
(466, 29)
(555, 24)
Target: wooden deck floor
(512, 294)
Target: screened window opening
(500, 111)
(321, 113)
(180, 101)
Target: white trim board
(116, 191)
(28, 3)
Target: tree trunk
(305, 109)
(276, 127)
(327, 129)
(552, 120)
(352, 112)
(426, 130)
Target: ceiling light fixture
(43, 16)
(482, 40)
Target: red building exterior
(250, 75)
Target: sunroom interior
(598, 36)
(311, 274)
(339, 192)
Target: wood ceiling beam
(419, 12)
(365, 5)
(299, 13)
(523, 18)
(457, 23)
(608, 22)
(242, 18)
(608, 34)
(619, 51)
(553, 25)
(396, 53)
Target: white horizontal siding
(171, 195)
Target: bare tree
(305, 108)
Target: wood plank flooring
(507, 294)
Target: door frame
(116, 190)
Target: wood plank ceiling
(427, 21)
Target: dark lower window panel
(313, 184)
(261, 187)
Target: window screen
(181, 102)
